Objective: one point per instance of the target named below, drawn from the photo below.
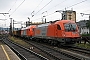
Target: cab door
(58, 32)
(55, 31)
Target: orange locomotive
(57, 32)
(27, 32)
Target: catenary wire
(17, 7)
(44, 6)
(36, 8)
(57, 5)
(68, 7)
(38, 5)
(12, 6)
(76, 3)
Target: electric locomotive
(27, 32)
(57, 32)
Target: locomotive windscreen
(70, 26)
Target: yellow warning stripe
(5, 52)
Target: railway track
(60, 54)
(56, 55)
(22, 52)
(1, 42)
(85, 52)
(73, 52)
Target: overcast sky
(19, 10)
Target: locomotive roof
(23, 28)
(61, 21)
(41, 25)
(27, 27)
(56, 22)
(65, 21)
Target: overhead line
(37, 5)
(77, 3)
(44, 6)
(35, 8)
(67, 7)
(41, 17)
(71, 5)
(17, 7)
(12, 6)
(49, 9)
(57, 5)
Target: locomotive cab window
(58, 27)
(29, 29)
(32, 29)
(70, 27)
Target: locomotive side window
(58, 27)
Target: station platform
(7, 54)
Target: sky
(20, 10)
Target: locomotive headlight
(63, 35)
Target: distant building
(69, 15)
(82, 27)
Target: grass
(82, 45)
(21, 42)
(18, 41)
(85, 35)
